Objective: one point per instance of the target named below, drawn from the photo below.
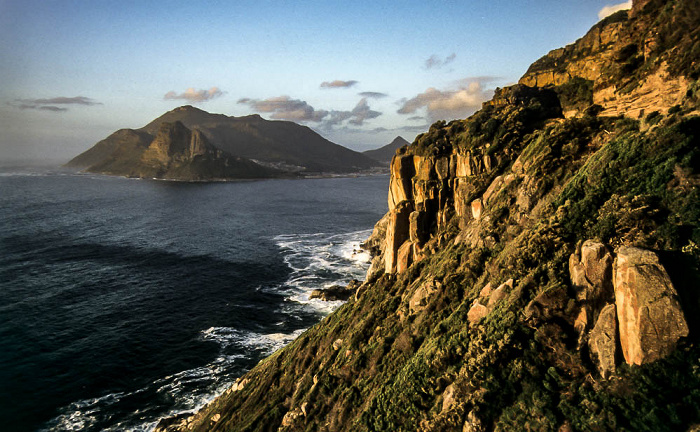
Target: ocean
(123, 301)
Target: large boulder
(602, 342)
(648, 310)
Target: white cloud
(449, 104)
(611, 9)
(195, 96)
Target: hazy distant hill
(385, 153)
(277, 144)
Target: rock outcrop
(630, 73)
(603, 341)
(650, 316)
(631, 299)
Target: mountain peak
(385, 153)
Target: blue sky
(359, 73)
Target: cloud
(50, 103)
(286, 108)
(357, 116)
(338, 84)
(435, 62)
(611, 9)
(449, 104)
(195, 96)
(373, 95)
(52, 108)
(415, 118)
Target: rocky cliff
(537, 270)
(631, 63)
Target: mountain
(538, 269)
(173, 152)
(280, 143)
(385, 153)
(277, 145)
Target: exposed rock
(215, 418)
(404, 257)
(486, 290)
(421, 295)
(400, 187)
(473, 423)
(397, 234)
(238, 385)
(442, 168)
(602, 342)
(448, 398)
(291, 416)
(333, 293)
(499, 293)
(590, 268)
(477, 208)
(476, 312)
(648, 311)
(419, 227)
(174, 423)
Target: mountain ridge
(275, 146)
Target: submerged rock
(335, 292)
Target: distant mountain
(175, 152)
(280, 145)
(385, 153)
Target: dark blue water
(122, 301)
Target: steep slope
(534, 272)
(385, 153)
(125, 145)
(175, 152)
(279, 143)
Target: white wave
(268, 343)
(319, 261)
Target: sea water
(123, 301)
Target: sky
(358, 72)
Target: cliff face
(634, 62)
(534, 272)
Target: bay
(122, 301)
